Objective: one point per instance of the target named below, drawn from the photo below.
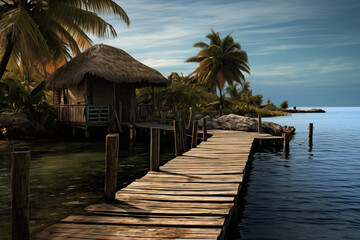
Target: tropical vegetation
(36, 37)
(40, 35)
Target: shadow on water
(67, 175)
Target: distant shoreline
(313, 110)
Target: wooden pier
(193, 196)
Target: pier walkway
(192, 197)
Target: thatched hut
(97, 88)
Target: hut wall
(125, 94)
(102, 92)
(81, 93)
(71, 94)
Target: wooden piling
(204, 129)
(286, 137)
(132, 132)
(183, 139)
(111, 166)
(194, 134)
(259, 123)
(163, 116)
(191, 118)
(20, 193)
(177, 139)
(311, 128)
(74, 131)
(155, 149)
(87, 133)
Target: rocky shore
(16, 126)
(241, 123)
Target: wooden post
(177, 139)
(20, 193)
(204, 129)
(111, 166)
(132, 132)
(194, 134)
(311, 127)
(179, 115)
(191, 118)
(74, 131)
(286, 137)
(259, 123)
(155, 149)
(87, 133)
(163, 116)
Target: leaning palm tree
(34, 32)
(220, 61)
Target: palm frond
(201, 45)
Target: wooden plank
(191, 197)
(147, 220)
(121, 232)
(159, 208)
(159, 197)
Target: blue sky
(303, 51)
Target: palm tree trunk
(220, 102)
(6, 57)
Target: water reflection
(66, 176)
(318, 195)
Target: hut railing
(81, 113)
(72, 113)
(98, 113)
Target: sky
(304, 51)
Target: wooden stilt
(155, 149)
(204, 129)
(286, 137)
(20, 193)
(194, 134)
(311, 127)
(111, 166)
(259, 123)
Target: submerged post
(20, 193)
(286, 137)
(204, 129)
(111, 166)
(311, 127)
(194, 134)
(155, 149)
(259, 123)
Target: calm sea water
(68, 175)
(312, 194)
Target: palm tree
(233, 90)
(220, 61)
(34, 32)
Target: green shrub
(284, 105)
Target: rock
(15, 126)
(241, 123)
(198, 117)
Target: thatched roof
(108, 63)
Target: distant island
(294, 110)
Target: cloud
(304, 72)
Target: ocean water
(312, 193)
(67, 175)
